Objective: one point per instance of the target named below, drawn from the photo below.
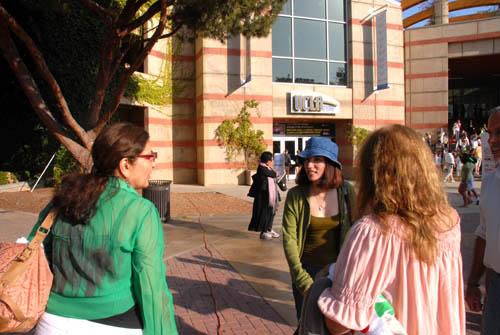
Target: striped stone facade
(427, 52)
(210, 80)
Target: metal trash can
(158, 192)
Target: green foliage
(158, 89)
(237, 136)
(64, 163)
(221, 19)
(356, 135)
(7, 178)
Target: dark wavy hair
(266, 156)
(77, 195)
(332, 177)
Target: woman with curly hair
(406, 244)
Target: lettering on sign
(313, 103)
(307, 103)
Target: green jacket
(112, 263)
(296, 220)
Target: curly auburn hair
(77, 195)
(397, 176)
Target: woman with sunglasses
(105, 247)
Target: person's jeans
(297, 296)
(491, 321)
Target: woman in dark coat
(265, 195)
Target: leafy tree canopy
(73, 59)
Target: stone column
(441, 11)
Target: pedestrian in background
(449, 160)
(266, 196)
(406, 244)
(486, 250)
(317, 215)
(288, 162)
(459, 164)
(105, 247)
(466, 187)
(456, 132)
(478, 156)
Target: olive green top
(296, 221)
(321, 237)
(114, 262)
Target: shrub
(237, 136)
(7, 178)
(64, 163)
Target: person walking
(405, 245)
(478, 156)
(466, 187)
(105, 246)
(288, 163)
(486, 251)
(266, 197)
(456, 132)
(317, 215)
(450, 164)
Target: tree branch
(174, 30)
(47, 75)
(109, 15)
(30, 88)
(107, 64)
(153, 10)
(123, 80)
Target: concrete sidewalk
(249, 277)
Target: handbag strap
(40, 235)
(20, 263)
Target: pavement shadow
(235, 299)
(210, 228)
(243, 268)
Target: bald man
(487, 248)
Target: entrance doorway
(473, 90)
(292, 144)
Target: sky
(418, 8)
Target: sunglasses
(152, 156)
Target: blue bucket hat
(321, 146)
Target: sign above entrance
(307, 102)
(310, 129)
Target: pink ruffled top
(427, 299)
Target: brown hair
(332, 177)
(397, 176)
(77, 195)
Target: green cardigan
(296, 220)
(114, 262)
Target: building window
(309, 43)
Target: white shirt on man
(449, 159)
(489, 226)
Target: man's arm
(472, 293)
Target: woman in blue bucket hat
(317, 215)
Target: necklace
(321, 207)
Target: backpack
(25, 281)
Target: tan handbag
(25, 281)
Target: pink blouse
(427, 299)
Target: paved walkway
(249, 277)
